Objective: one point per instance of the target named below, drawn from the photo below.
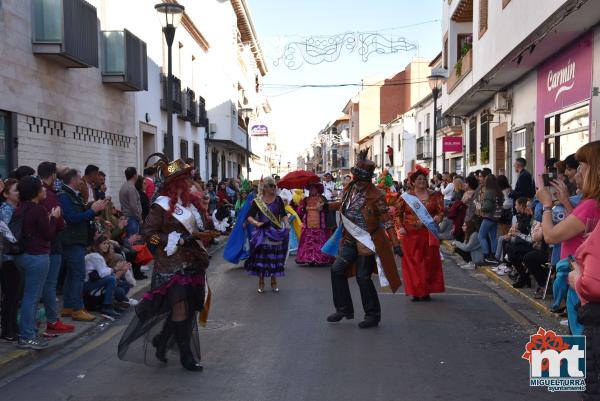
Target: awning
(232, 147)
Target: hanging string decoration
(315, 50)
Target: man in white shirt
(448, 190)
(329, 186)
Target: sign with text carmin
(452, 144)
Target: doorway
(500, 161)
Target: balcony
(124, 61)
(449, 126)
(424, 148)
(461, 69)
(201, 116)
(189, 107)
(65, 31)
(176, 94)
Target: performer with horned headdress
(368, 246)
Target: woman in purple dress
(269, 240)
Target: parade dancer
(168, 313)
(418, 213)
(313, 210)
(368, 246)
(269, 239)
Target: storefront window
(567, 131)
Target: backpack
(499, 210)
(16, 227)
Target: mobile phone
(572, 262)
(548, 178)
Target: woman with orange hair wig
(421, 263)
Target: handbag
(143, 255)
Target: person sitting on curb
(470, 249)
(101, 277)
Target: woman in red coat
(421, 263)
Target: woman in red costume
(421, 263)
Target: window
(483, 17)
(197, 156)
(428, 121)
(519, 144)
(484, 130)
(183, 149)
(473, 140)
(567, 131)
(420, 129)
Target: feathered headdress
(420, 169)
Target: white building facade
(521, 79)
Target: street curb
(535, 304)
(496, 279)
(20, 358)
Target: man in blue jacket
(75, 239)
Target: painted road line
(110, 333)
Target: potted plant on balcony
(472, 159)
(458, 68)
(485, 155)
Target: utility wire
(342, 85)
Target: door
(501, 156)
(4, 140)
(223, 166)
(214, 168)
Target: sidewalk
(527, 294)
(13, 359)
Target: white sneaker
(499, 267)
(468, 266)
(145, 268)
(133, 302)
(504, 271)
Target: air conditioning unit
(212, 128)
(501, 103)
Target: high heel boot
(183, 337)
(161, 341)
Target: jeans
(10, 282)
(49, 292)
(342, 300)
(133, 226)
(488, 231)
(107, 283)
(35, 269)
(74, 256)
(121, 291)
(500, 249)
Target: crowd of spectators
(63, 235)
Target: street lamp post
(245, 113)
(169, 15)
(436, 80)
(382, 148)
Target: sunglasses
(270, 185)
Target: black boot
(161, 341)
(337, 316)
(183, 337)
(522, 281)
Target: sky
(299, 114)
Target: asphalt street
(464, 345)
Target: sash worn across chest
(422, 213)
(181, 214)
(262, 206)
